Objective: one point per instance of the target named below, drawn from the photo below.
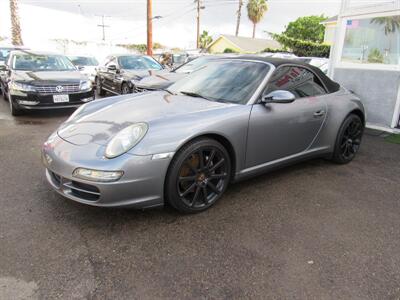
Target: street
(315, 230)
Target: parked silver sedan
(234, 119)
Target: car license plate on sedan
(60, 98)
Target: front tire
(125, 89)
(348, 140)
(14, 110)
(198, 176)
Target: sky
(78, 20)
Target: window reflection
(372, 41)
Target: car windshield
(84, 61)
(38, 62)
(138, 63)
(193, 65)
(233, 81)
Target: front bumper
(141, 186)
(46, 101)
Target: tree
(307, 29)
(239, 15)
(392, 23)
(255, 11)
(15, 25)
(205, 39)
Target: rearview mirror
(279, 96)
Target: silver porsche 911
(233, 119)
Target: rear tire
(198, 176)
(99, 88)
(348, 140)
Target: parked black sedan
(41, 80)
(119, 73)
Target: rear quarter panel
(339, 106)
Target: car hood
(140, 74)
(160, 81)
(48, 77)
(101, 120)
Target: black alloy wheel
(198, 176)
(349, 139)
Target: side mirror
(279, 96)
(80, 68)
(3, 68)
(112, 68)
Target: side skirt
(282, 162)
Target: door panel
(280, 130)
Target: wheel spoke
(218, 164)
(187, 178)
(210, 158)
(218, 176)
(187, 191)
(213, 187)
(201, 159)
(196, 195)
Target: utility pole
(199, 7)
(103, 26)
(239, 14)
(149, 28)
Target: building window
(372, 41)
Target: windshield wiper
(168, 91)
(196, 95)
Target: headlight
(126, 139)
(86, 85)
(18, 86)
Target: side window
(300, 81)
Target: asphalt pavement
(315, 230)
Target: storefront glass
(372, 41)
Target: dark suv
(119, 73)
(41, 80)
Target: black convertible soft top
(331, 85)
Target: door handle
(319, 113)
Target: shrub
(303, 48)
(230, 50)
(375, 57)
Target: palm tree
(255, 11)
(391, 23)
(239, 14)
(15, 25)
(205, 39)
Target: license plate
(60, 98)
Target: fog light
(96, 175)
(88, 99)
(27, 102)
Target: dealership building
(365, 58)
